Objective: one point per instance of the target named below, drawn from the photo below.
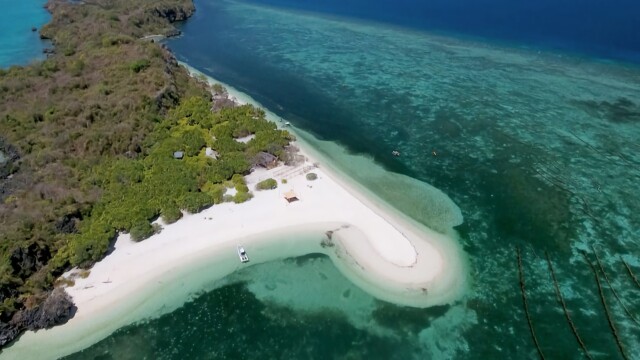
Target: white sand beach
(390, 256)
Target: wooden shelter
(290, 196)
(265, 160)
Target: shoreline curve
(385, 253)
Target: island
(126, 173)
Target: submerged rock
(621, 110)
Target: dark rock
(173, 33)
(67, 224)
(26, 261)
(11, 157)
(173, 14)
(167, 97)
(7, 333)
(56, 309)
(49, 51)
(9, 165)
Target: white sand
(389, 256)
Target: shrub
(312, 176)
(139, 65)
(141, 231)
(268, 184)
(242, 197)
(284, 181)
(217, 88)
(76, 67)
(216, 191)
(194, 202)
(238, 179)
(242, 188)
(171, 214)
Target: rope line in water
(614, 331)
(566, 311)
(526, 305)
(633, 276)
(615, 293)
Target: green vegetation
(96, 125)
(312, 176)
(268, 184)
(139, 65)
(242, 190)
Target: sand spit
(388, 255)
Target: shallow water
(539, 150)
(290, 309)
(18, 44)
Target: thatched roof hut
(290, 196)
(265, 160)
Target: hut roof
(178, 154)
(264, 159)
(290, 196)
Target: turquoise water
(298, 308)
(540, 150)
(18, 44)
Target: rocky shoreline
(50, 307)
(56, 309)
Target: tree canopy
(94, 128)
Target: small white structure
(242, 254)
(178, 155)
(246, 139)
(211, 153)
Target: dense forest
(89, 136)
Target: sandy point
(388, 256)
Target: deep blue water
(606, 29)
(18, 44)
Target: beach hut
(265, 160)
(290, 196)
(178, 155)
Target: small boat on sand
(242, 254)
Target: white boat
(242, 254)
